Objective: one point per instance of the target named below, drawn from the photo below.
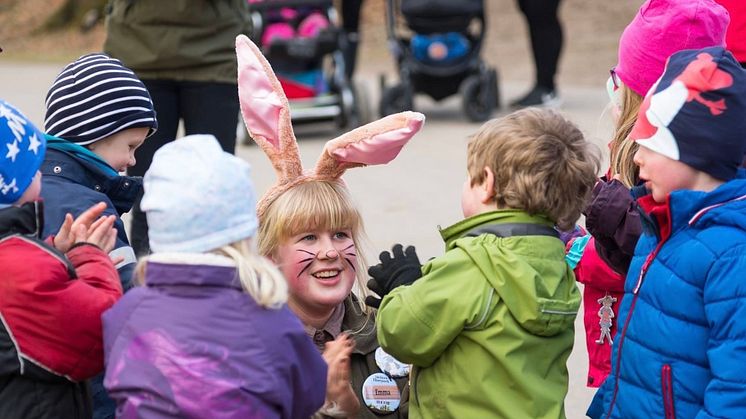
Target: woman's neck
(314, 317)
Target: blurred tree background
(84, 14)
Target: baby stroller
(303, 42)
(441, 57)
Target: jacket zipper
(635, 292)
(667, 389)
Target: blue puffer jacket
(680, 350)
(72, 185)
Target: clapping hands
(90, 227)
(340, 397)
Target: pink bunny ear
(265, 110)
(376, 143)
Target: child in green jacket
(488, 326)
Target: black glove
(396, 268)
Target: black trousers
(205, 108)
(351, 23)
(546, 37)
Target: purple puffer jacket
(192, 344)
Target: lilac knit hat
(661, 28)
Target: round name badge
(380, 393)
(390, 365)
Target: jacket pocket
(667, 389)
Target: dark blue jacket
(679, 350)
(72, 185)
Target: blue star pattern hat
(22, 148)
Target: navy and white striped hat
(94, 97)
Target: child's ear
(487, 187)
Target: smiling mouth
(326, 274)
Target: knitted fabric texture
(198, 197)
(95, 97)
(662, 27)
(22, 148)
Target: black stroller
(441, 57)
(303, 41)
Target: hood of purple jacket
(192, 343)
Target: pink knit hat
(661, 28)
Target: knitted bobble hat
(22, 148)
(198, 197)
(696, 112)
(95, 97)
(662, 27)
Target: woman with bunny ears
(310, 227)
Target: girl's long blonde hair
(622, 149)
(313, 206)
(258, 276)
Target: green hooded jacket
(184, 40)
(490, 324)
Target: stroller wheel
(480, 96)
(395, 99)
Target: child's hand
(340, 397)
(89, 227)
(400, 267)
(101, 233)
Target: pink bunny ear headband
(266, 113)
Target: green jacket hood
(522, 258)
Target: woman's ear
(487, 187)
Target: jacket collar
(199, 269)
(27, 220)
(464, 227)
(121, 190)
(360, 326)
(687, 207)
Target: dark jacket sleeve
(612, 217)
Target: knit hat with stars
(22, 148)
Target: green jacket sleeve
(416, 323)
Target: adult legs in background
(165, 95)
(211, 108)
(207, 108)
(350, 24)
(545, 32)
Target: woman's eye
(341, 235)
(308, 237)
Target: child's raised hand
(101, 233)
(80, 229)
(400, 267)
(340, 397)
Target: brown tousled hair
(541, 162)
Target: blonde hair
(541, 163)
(311, 206)
(258, 276)
(621, 148)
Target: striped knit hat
(94, 97)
